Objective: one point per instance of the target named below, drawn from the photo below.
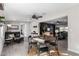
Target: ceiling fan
(34, 16)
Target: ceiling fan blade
(36, 16)
(40, 16)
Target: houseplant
(2, 18)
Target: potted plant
(2, 18)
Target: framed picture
(34, 26)
(13, 27)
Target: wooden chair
(31, 43)
(42, 47)
(54, 43)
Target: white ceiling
(63, 21)
(23, 12)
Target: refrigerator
(1, 37)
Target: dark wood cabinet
(46, 27)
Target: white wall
(1, 13)
(73, 22)
(73, 40)
(26, 29)
(34, 23)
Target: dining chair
(43, 47)
(31, 43)
(54, 43)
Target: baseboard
(75, 51)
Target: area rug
(33, 52)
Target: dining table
(39, 40)
(48, 43)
